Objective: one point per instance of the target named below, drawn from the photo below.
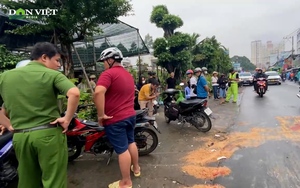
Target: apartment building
(298, 42)
(261, 53)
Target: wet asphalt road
(268, 154)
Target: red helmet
(189, 72)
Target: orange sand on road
(197, 162)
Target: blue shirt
(201, 92)
(187, 92)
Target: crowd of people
(197, 85)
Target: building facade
(261, 54)
(298, 42)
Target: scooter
(8, 161)
(261, 86)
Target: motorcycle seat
(93, 125)
(139, 112)
(190, 103)
(5, 138)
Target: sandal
(116, 184)
(135, 174)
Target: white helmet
(112, 52)
(204, 69)
(22, 63)
(198, 69)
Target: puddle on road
(197, 162)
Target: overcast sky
(235, 23)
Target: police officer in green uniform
(30, 97)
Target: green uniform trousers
(43, 158)
(232, 90)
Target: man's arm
(103, 84)
(204, 83)
(66, 87)
(99, 100)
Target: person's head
(189, 73)
(231, 70)
(215, 73)
(198, 71)
(222, 75)
(259, 70)
(143, 78)
(92, 77)
(172, 74)
(204, 70)
(256, 69)
(154, 84)
(111, 57)
(47, 54)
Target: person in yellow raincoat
(233, 89)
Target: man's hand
(63, 122)
(103, 118)
(2, 129)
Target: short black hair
(231, 70)
(41, 48)
(154, 82)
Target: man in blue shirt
(202, 87)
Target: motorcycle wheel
(204, 118)
(261, 93)
(141, 140)
(77, 151)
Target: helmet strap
(110, 65)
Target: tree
(168, 22)
(172, 51)
(123, 49)
(148, 41)
(133, 48)
(245, 62)
(211, 54)
(9, 60)
(75, 19)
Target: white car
(246, 78)
(273, 77)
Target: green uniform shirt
(30, 94)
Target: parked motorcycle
(8, 161)
(92, 136)
(193, 111)
(261, 86)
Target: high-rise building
(255, 52)
(298, 42)
(261, 53)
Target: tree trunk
(69, 64)
(167, 33)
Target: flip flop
(116, 184)
(135, 174)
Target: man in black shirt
(171, 81)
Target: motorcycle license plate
(208, 111)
